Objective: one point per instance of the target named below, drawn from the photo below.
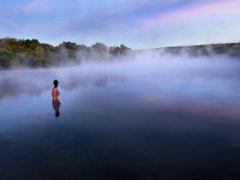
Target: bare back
(55, 93)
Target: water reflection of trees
(34, 86)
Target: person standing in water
(55, 98)
(55, 90)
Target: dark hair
(55, 83)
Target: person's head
(55, 83)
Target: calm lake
(143, 120)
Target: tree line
(32, 53)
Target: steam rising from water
(198, 79)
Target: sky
(139, 24)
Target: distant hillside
(231, 49)
(32, 53)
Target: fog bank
(180, 75)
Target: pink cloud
(36, 6)
(220, 7)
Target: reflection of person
(56, 101)
(56, 105)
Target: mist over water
(147, 116)
(197, 79)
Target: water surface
(129, 120)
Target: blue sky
(135, 23)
